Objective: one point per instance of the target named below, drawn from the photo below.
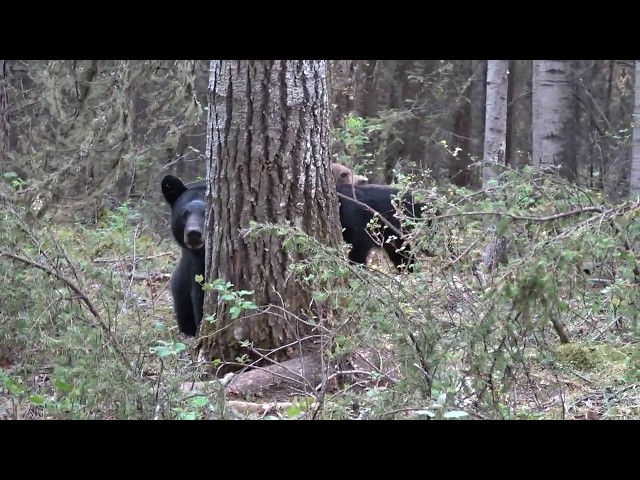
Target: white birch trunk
(634, 181)
(495, 144)
(554, 109)
(495, 136)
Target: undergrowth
(86, 325)
(453, 341)
(87, 329)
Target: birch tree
(495, 139)
(554, 109)
(634, 181)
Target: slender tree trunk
(268, 162)
(341, 85)
(459, 173)
(554, 109)
(365, 95)
(519, 112)
(478, 110)
(634, 183)
(4, 117)
(495, 139)
(468, 127)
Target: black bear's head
(188, 208)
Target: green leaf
(235, 312)
(37, 399)
(63, 386)
(249, 306)
(163, 351)
(200, 401)
(294, 411)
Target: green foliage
(442, 343)
(166, 349)
(447, 342)
(83, 338)
(352, 138)
(14, 180)
(85, 129)
(226, 294)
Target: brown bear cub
(344, 175)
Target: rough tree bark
(634, 180)
(554, 110)
(495, 139)
(267, 161)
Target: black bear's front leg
(181, 288)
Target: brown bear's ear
(172, 188)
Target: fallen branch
(130, 257)
(150, 277)
(548, 218)
(293, 372)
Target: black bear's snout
(193, 238)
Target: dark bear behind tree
(188, 207)
(355, 220)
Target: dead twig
(59, 276)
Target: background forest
(527, 309)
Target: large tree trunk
(634, 183)
(267, 161)
(495, 139)
(554, 109)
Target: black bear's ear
(172, 188)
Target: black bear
(344, 175)
(188, 208)
(355, 218)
